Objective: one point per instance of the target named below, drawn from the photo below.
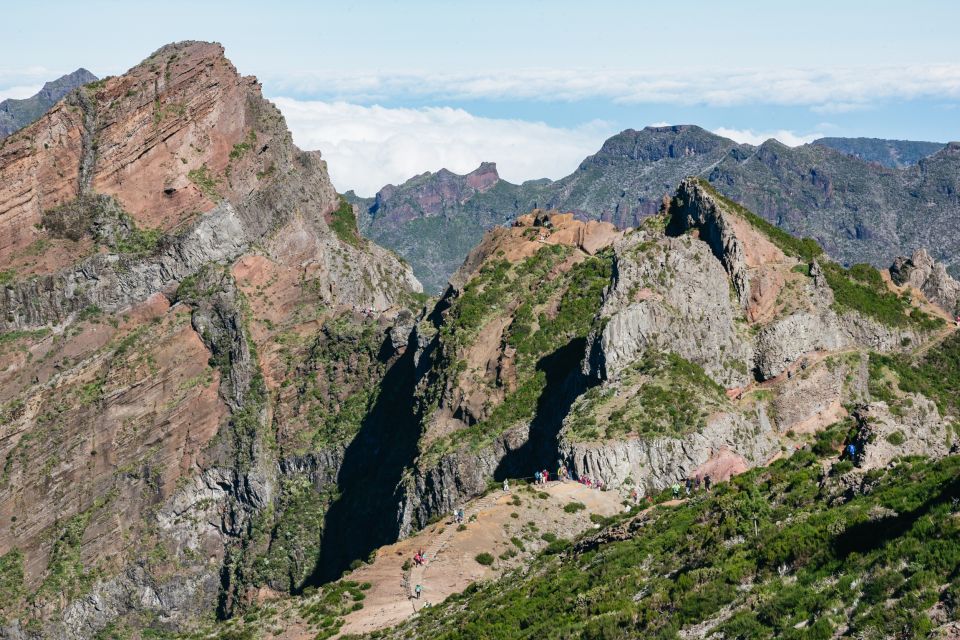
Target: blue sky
(390, 89)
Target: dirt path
(495, 524)
(936, 340)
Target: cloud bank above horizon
(824, 90)
(368, 147)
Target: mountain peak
(651, 144)
(16, 114)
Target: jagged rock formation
(208, 378)
(858, 210)
(929, 277)
(177, 276)
(711, 340)
(16, 114)
(914, 429)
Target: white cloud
(830, 90)
(19, 92)
(368, 147)
(750, 136)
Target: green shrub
(896, 438)
(775, 545)
(343, 222)
(484, 558)
(862, 289)
(936, 375)
(842, 467)
(573, 507)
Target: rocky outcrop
(692, 208)
(730, 443)
(113, 282)
(457, 477)
(669, 294)
(912, 427)
(930, 277)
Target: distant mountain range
(16, 114)
(864, 200)
(895, 154)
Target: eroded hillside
(189, 314)
(216, 394)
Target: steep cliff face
(930, 277)
(720, 343)
(187, 318)
(710, 342)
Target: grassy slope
(524, 290)
(770, 554)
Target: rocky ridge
(168, 256)
(857, 209)
(16, 114)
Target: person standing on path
(417, 591)
(506, 485)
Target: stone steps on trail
(414, 576)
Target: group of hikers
(691, 486)
(543, 477)
(419, 558)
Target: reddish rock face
(169, 139)
(432, 194)
(126, 430)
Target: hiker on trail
(537, 477)
(688, 486)
(852, 451)
(417, 589)
(506, 485)
(706, 483)
(460, 515)
(635, 496)
(676, 490)
(696, 483)
(545, 475)
(417, 559)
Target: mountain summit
(172, 265)
(16, 114)
(835, 190)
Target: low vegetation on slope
(860, 288)
(662, 394)
(936, 375)
(782, 552)
(551, 309)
